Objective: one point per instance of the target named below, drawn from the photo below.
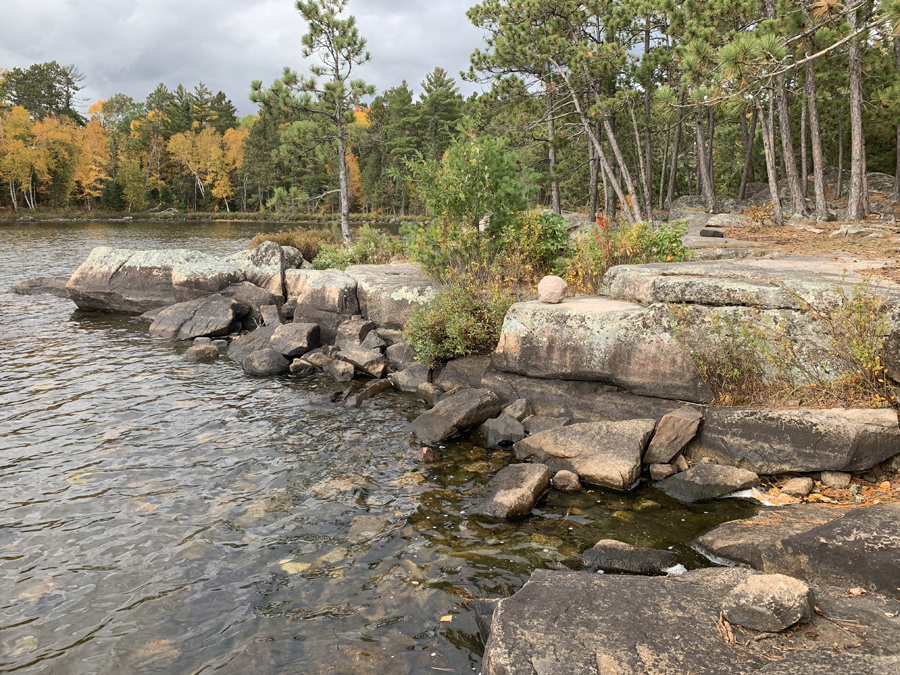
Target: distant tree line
(615, 107)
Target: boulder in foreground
(617, 556)
(212, 316)
(602, 453)
(562, 623)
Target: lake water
(158, 516)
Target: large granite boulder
(455, 413)
(601, 340)
(199, 278)
(133, 282)
(325, 297)
(602, 453)
(263, 266)
(388, 294)
(784, 441)
(769, 603)
(42, 286)
(211, 316)
(253, 297)
(514, 491)
(572, 623)
(851, 548)
(707, 481)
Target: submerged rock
(455, 413)
(514, 491)
(617, 556)
(602, 453)
(707, 481)
(42, 286)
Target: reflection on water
(164, 517)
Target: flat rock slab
(514, 491)
(211, 316)
(673, 433)
(602, 453)
(804, 663)
(389, 294)
(617, 556)
(743, 542)
(597, 339)
(573, 623)
(455, 413)
(364, 528)
(765, 283)
(129, 281)
(797, 441)
(706, 481)
(42, 286)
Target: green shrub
(605, 246)
(463, 319)
(370, 246)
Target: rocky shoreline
(587, 391)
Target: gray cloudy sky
(129, 46)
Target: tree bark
(818, 156)
(648, 141)
(840, 183)
(345, 190)
(623, 167)
(749, 139)
(662, 172)
(767, 123)
(645, 179)
(896, 194)
(594, 195)
(798, 201)
(855, 209)
(705, 180)
(710, 138)
(676, 150)
(551, 155)
(804, 162)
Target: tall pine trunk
(343, 172)
(815, 132)
(662, 172)
(705, 179)
(551, 154)
(855, 209)
(645, 176)
(767, 123)
(623, 167)
(676, 150)
(749, 138)
(896, 194)
(648, 141)
(798, 201)
(804, 160)
(594, 195)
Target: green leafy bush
(605, 246)
(463, 319)
(371, 246)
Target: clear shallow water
(163, 517)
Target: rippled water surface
(163, 517)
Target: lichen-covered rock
(263, 266)
(600, 340)
(199, 278)
(707, 481)
(601, 453)
(204, 317)
(388, 294)
(124, 280)
(514, 491)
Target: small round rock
(836, 479)
(202, 353)
(552, 290)
(769, 603)
(566, 481)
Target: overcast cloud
(130, 46)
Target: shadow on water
(164, 517)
